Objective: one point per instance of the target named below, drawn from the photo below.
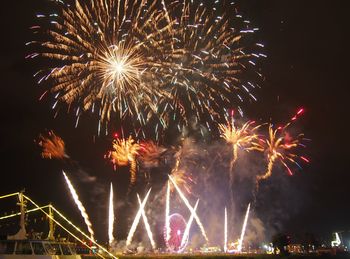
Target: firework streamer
(190, 208)
(148, 228)
(240, 242)
(80, 206)
(225, 232)
(136, 220)
(167, 212)
(188, 225)
(111, 217)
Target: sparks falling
(151, 61)
(111, 217)
(52, 146)
(80, 206)
(125, 152)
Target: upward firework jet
(145, 221)
(80, 206)
(190, 208)
(279, 147)
(167, 212)
(225, 232)
(137, 219)
(152, 61)
(188, 226)
(53, 146)
(111, 217)
(240, 242)
(124, 152)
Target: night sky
(306, 67)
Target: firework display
(168, 73)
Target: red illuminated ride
(177, 225)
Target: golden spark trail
(190, 208)
(80, 205)
(136, 220)
(225, 232)
(240, 242)
(111, 217)
(188, 225)
(148, 228)
(167, 212)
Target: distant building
(295, 248)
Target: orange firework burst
(279, 147)
(125, 152)
(244, 137)
(52, 146)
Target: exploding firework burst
(210, 52)
(244, 137)
(125, 152)
(279, 146)
(52, 146)
(151, 61)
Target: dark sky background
(306, 67)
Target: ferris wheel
(177, 225)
